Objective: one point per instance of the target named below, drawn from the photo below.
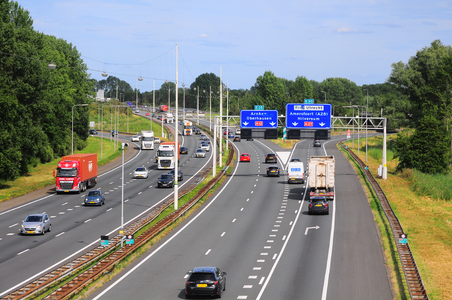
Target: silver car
(200, 153)
(36, 224)
(205, 146)
(140, 172)
(136, 138)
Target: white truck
(188, 127)
(166, 156)
(147, 140)
(321, 176)
(295, 172)
(169, 118)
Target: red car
(147, 114)
(245, 157)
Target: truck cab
(166, 156)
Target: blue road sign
(258, 107)
(129, 103)
(258, 119)
(308, 116)
(308, 101)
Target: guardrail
(103, 259)
(412, 276)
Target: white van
(295, 172)
(237, 131)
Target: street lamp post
(367, 106)
(176, 136)
(221, 120)
(210, 108)
(169, 93)
(197, 105)
(227, 115)
(183, 85)
(72, 145)
(122, 192)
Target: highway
(257, 229)
(76, 228)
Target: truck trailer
(169, 118)
(321, 176)
(76, 173)
(163, 108)
(166, 155)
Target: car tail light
(268, 170)
(326, 205)
(278, 170)
(310, 204)
(216, 282)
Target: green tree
(301, 89)
(270, 92)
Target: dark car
(165, 180)
(271, 158)
(92, 131)
(95, 198)
(273, 170)
(236, 139)
(230, 135)
(318, 205)
(114, 132)
(183, 150)
(208, 281)
(181, 175)
(295, 160)
(317, 143)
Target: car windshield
(135, 136)
(295, 159)
(317, 199)
(202, 276)
(33, 219)
(245, 155)
(273, 168)
(94, 194)
(66, 173)
(200, 150)
(140, 169)
(165, 153)
(271, 156)
(148, 138)
(166, 176)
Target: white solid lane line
(87, 221)
(262, 280)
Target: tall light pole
(72, 146)
(183, 85)
(197, 105)
(169, 92)
(176, 150)
(122, 191)
(221, 120)
(367, 107)
(227, 114)
(210, 108)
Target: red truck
(76, 173)
(163, 108)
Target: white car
(200, 153)
(156, 140)
(141, 172)
(205, 146)
(136, 138)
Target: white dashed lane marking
(252, 277)
(66, 202)
(23, 252)
(110, 209)
(262, 280)
(11, 233)
(59, 234)
(223, 233)
(208, 251)
(14, 225)
(87, 221)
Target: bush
(437, 186)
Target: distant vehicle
(237, 131)
(167, 154)
(135, 138)
(271, 158)
(156, 140)
(318, 205)
(245, 157)
(147, 140)
(163, 108)
(183, 150)
(169, 118)
(295, 172)
(317, 143)
(203, 137)
(188, 127)
(197, 131)
(205, 146)
(225, 132)
(148, 114)
(114, 132)
(76, 173)
(154, 115)
(273, 170)
(165, 180)
(236, 139)
(295, 160)
(206, 281)
(200, 153)
(36, 224)
(141, 172)
(94, 198)
(137, 111)
(231, 135)
(181, 175)
(92, 131)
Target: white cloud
(203, 35)
(346, 30)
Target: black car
(271, 158)
(183, 150)
(295, 160)
(236, 139)
(318, 205)
(273, 170)
(317, 143)
(92, 131)
(209, 281)
(181, 175)
(165, 180)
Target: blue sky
(357, 40)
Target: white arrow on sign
(245, 123)
(321, 124)
(294, 123)
(307, 229)
(272, 123)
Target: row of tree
(36, 101)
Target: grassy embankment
(42, 175)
